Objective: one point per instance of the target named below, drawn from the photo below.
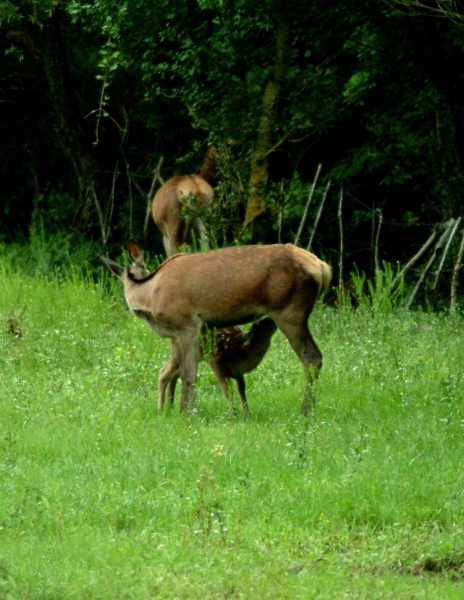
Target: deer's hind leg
(202, 234)
(172, 244)
(173, 234)
(195, 234)
(306, 349)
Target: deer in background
(235, 353)
(223, 288)
(168, 202)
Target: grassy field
(103, 497)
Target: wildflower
(218, 450)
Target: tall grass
(103, 497)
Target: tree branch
(305, 214)
(446, 9)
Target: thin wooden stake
(372, 261)
(340, 224)
(305, 214)
(454, 280)
(126, 163)
(377, 237)
(441, 242)
(281, 211)
(110, 207)
(131, 199)
(445, 252)
(319, 213)
(416, 257)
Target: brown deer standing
(235, 353)
(178, 229)
(223, 288)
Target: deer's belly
(161, 329)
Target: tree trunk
(257, 204)
(47, 44)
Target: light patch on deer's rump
(313, 265)
(194, 185)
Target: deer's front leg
(189, 352)
(169, 375)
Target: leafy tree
(369, 92)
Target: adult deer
(235, 353)
(223, 288)
(168, 204)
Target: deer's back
(230, 286)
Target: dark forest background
(94, 94)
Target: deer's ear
(117, 269)
(135, 253)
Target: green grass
(103, 497)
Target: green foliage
(52, 255)
(412, 131)
(371, 94)
(294, 204)
(379, 296)
(9, 12)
